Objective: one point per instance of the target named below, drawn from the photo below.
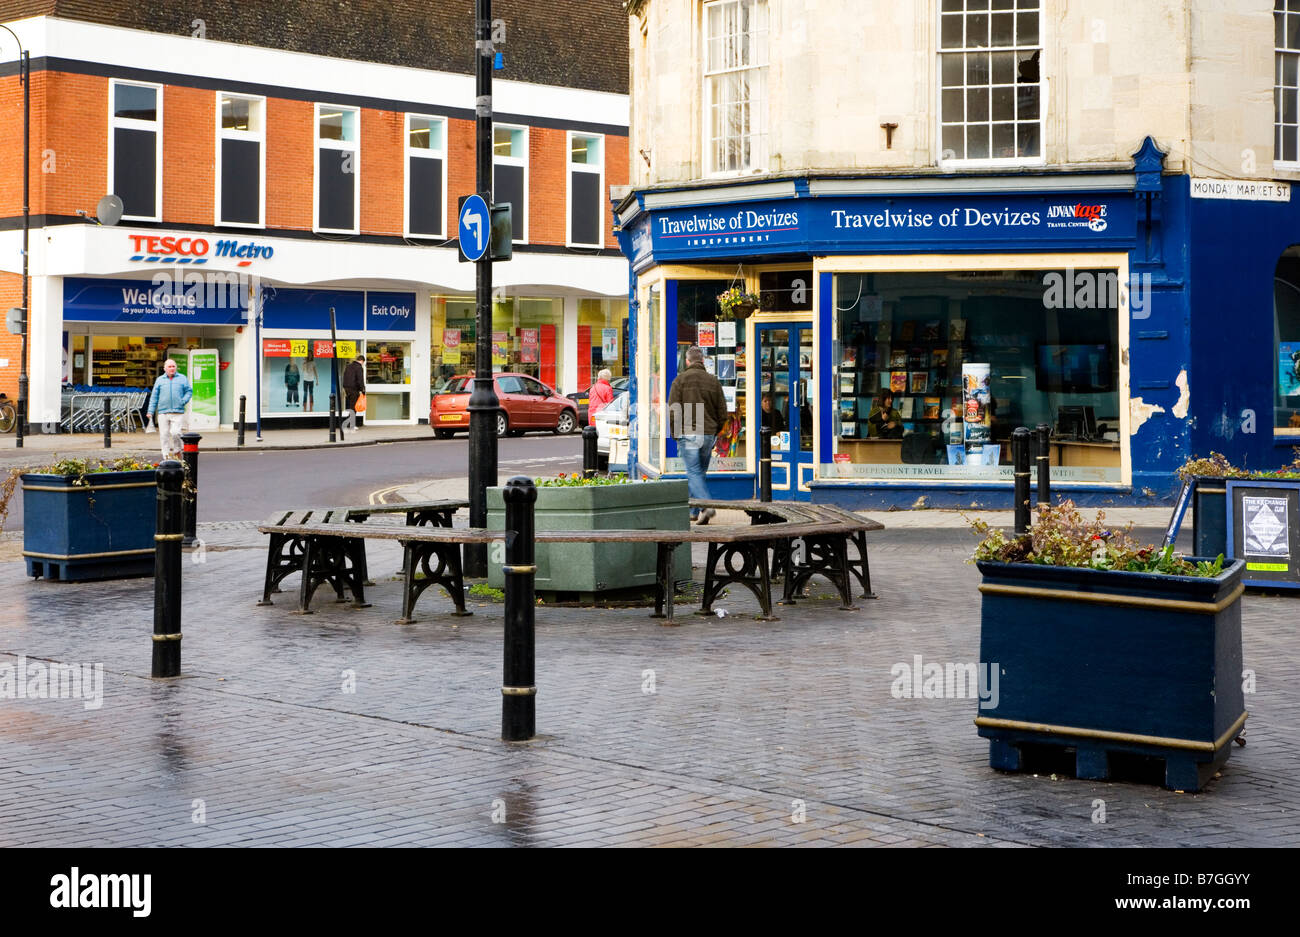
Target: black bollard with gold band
(1020, 459)
(1044, 464)
(190, 455)
(167, 571)
(518, 686)
(589, 456)
(765, 464)
(108, 422)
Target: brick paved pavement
(749, 723)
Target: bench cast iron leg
(664, 582)
(448, 574)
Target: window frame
(127, 123)
(408, 152)
(342, 145)
(599, 171)
(1279, 52)
(519, 237)
(247, 135)
(1044, 87)
(758, 115)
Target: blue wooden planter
(1107, 662)
(103, 530)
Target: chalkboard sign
(1264, 530)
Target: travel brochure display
(725, 361)
(975, 404)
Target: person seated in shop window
(884, 420)
(772, 418)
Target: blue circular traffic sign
(474, 227)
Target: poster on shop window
(975, 402)
(205, 409)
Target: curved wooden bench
(332, 550)
(821, 554)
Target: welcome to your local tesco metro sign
(167, 249)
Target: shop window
(786, 290)
(510, 175)
(586, 182)
(652, 396)
(933, 371)
(735, 85)
(337, 167)
(1286, 84)
(990, 106)
(451, 339)
(241, 133)
(388, 362)
(1286, 319)
(602, 339)
(119, 360)
(700, 322)
(298, 373)
(135, 149)
(426, 176)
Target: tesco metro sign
(166, 249)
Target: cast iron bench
(822, 551)
(286, 553)
(333, 551)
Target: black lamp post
(483, 404)
(25, 76)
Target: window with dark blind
(337, 166)
(135, 154)
(240, 137)
(425, 168)
(586, 181)
(510, 175)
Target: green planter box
(598, 567)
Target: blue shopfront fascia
(88, 299)
(816, 226)
(1111, 219)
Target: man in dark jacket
(696, 411)
(354, 385)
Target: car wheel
(442, 434)
(503, 425)
(565, 424)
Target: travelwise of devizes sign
(473, 228)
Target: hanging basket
(743, 310)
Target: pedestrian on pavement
(354, 385)
(601, 394)
(696, 411)
(167, 401)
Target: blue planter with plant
(87, 521)
(1106, 648)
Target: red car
(526, 403)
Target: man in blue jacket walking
(171, 393)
